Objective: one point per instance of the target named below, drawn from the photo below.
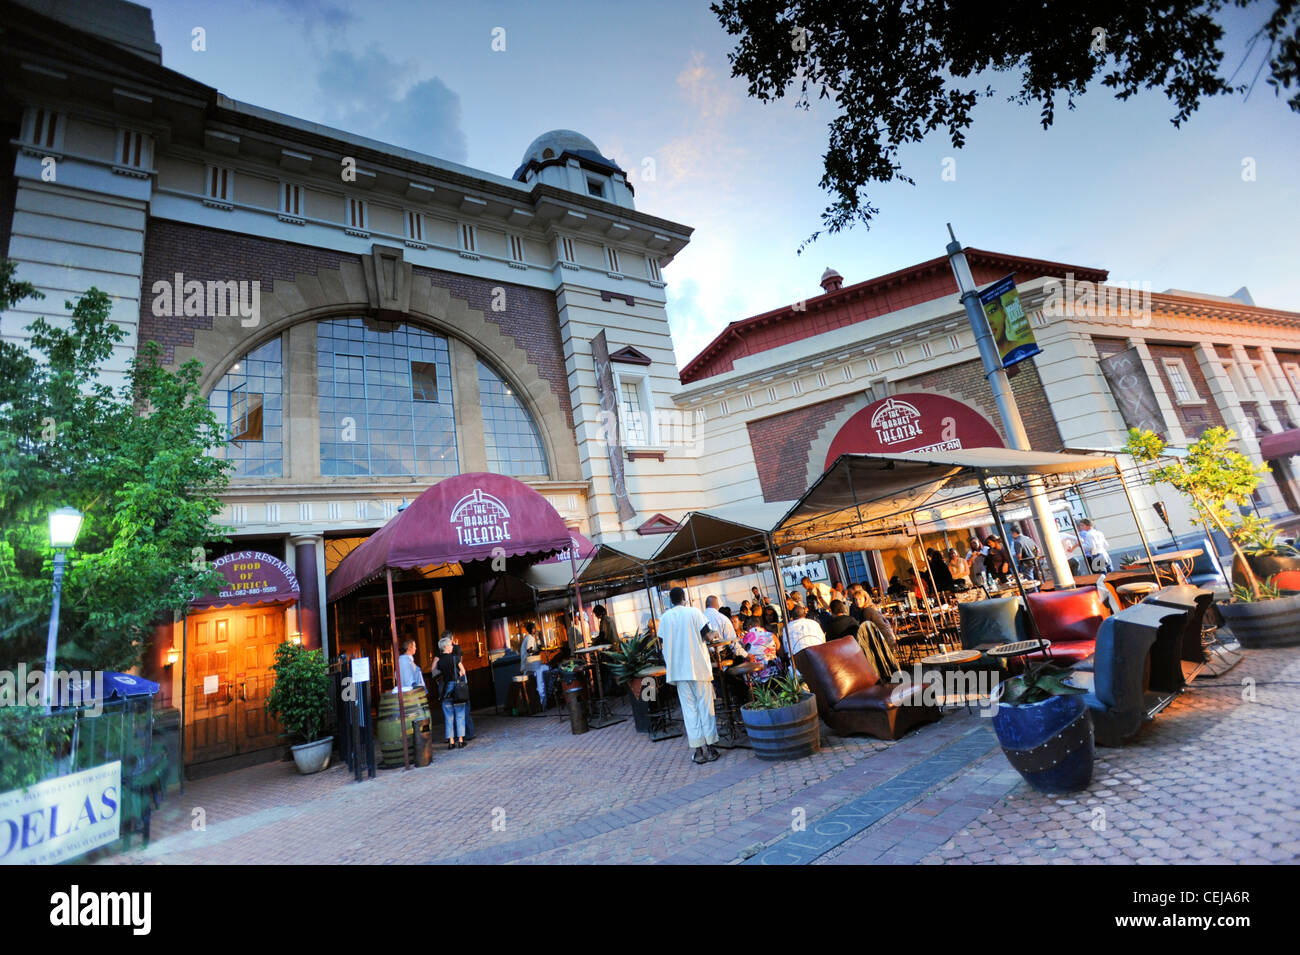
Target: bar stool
(522, 696)
(1135, 592)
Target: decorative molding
(658, 524)
(388, 281)
(606, 296)
(629, 355)
(649, 455)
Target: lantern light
(65, 525)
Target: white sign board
(792, 574)
(210, 685)
(61, 818)
(361, 670)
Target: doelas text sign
(1008, 322)
(61, 818)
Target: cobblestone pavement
(1213, 778)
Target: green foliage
(31, 744)
(894, 73)
(1260, 538)
(775, 693)
(633, 655)
(136, 462)
(300, 699)
(1216, 481)
(1268, 590)
(1039, 682)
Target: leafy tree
(901, 69)
(1215, 479)
(135, 462)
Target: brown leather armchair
(851, 697)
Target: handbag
(457, 688)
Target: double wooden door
(228, 677)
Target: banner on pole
(1007, 319)
(611, 427)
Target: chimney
(831, 280)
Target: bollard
(577, 712)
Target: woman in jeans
(449, 668)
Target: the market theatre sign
(479, 518)
(250, 577)
(911, 422)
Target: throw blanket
(877, 650)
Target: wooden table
(1186, 559)
(661, 714)
(600, 715)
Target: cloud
(312, 13)
(376, 97)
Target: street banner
(610, 426)
(61, 818)
(1007, 319)
(1132, 389)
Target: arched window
(385, 400)
(247, 403)
(514, 446)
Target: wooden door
(209, 696)
(263, 631)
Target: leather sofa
(1070, 619)
(851, 697)
(1119, 699)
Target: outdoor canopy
(470, 517)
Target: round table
(601, 717)
(1021, 648)
(951, 658)
(1136, 591)
(1185, 559)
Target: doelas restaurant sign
(61, 818)
(1008, 322)
(250, 577)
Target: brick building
(772, 392)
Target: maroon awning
(1283, 444)
(470, 517)
(249, 578)
(580, 548)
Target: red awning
(580, 548)
(470, 517)
(249, 578)
(1280, 445)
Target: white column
(1267, 416)
(1225, 396)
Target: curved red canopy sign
(580, 548)
(470, 517)
(914, 421)
(249, 577)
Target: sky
(1110, 185)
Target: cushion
(869, 698)
(1068, 615)
(836, 669)
(991, 622)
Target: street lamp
(65, 524)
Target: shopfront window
(247, 404)
(385, 400)
(514, 446)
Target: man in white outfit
(1095, 548)
(682, 631)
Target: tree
(136, 462)
(897, 71)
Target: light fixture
(173, 655)
(295, 638)
(65, 525)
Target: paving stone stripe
(842, 824)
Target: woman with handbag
(455, 691)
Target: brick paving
(1213, 778)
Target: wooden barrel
(789, 732)
(387, 730)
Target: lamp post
(65, 525)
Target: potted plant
(626, 662)
(781, 719)
(1045, 730)
(1269, 558)
(300, 700)
(1217, 481)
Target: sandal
(699, 757)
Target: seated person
(531, 660)
(802, 632)
(897, 589)
(841, 624)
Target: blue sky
(1110, 185)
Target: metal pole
(1007, 408)
(51, 641)
(782, 618)
(1136, 520)
(1015, 571)
(916, 572)
(577, 591)
(397, 672)
(185, 653)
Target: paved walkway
(1214, 778)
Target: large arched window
(514, 446)
(385, 400)
(247, 403)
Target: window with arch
(513, 443)
(248, 403)
(385, 400)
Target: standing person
(682, 629)
(722, 623)
(1095, 549)
(996, 561)
(570, 632)
(939, 575)
(531, 660)
(605, 632)
(447, 664)
(975, 561)
(818, 591)
(410, 676)
(1025, 553)
(958, 569)
(802, 632)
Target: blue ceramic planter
(1047, 743)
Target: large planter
(788, 732)
(1284, 570)
(313, 757)
(640, 712)
(1049, 743)
(1264, 623)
